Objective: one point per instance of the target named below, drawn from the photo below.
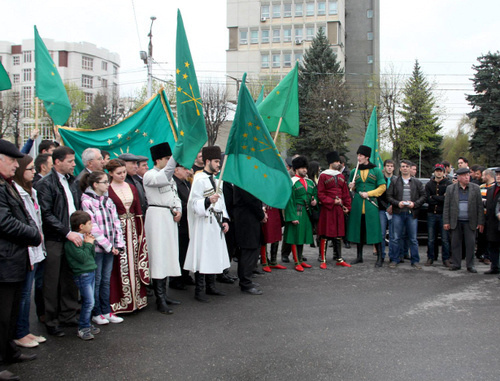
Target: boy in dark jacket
(81, 260)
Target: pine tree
(324, 102)
(420, 126)
(485, 142)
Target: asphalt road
(358, 323)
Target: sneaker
(85, 334)
(94, 330)
(100, 320)
(112, 318)
(393, 265)
(429, 262)
(416, 266)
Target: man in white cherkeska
(207, 218)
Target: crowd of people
(100, 243)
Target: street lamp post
(148, 59)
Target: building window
(369, 36)
(16, 78)
(16, 60)
(27, 56)
(26, 101)
(264, 12)
(333, 8)
(264, 60)
(87, 63)
(321, 8)
(276, 60)
(287, 35)
(287, 60)
(309, 33)
(299, 10)
(104, 83)
(26, 75)
(299, 36)
(309, 9)
(243, 37)
(89, 98)
(276, 35)
(104, 66)
(369, 13)
(287, 10)
(276, 11)
(254, 36)
(298, 57)
(87, 81)
(265, 36)
(115, 71)
(370, 59)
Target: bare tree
(215, 107)
(10, 115)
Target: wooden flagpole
(277, 130)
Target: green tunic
(373, 178)
(296, 210)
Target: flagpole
(355, 173)
(36, 112)
(221, 173)
(277, 130)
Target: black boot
(160, 287)
(359, 256)
(199, 280)
(224, 277)
(274, 254)
(172, 302)
(380, 261)
(210, 289)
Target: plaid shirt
(106, 226)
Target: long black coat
(17, 232)
(248, 214)
(492, 233)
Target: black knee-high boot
(199, 288)
(359, 256)
(378, 248)
(160, 288)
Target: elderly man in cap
(435, 191)
(463, 214)
(132, 168)
(367, 183)
(17, 232)
(164, 213)
(207, 218)
(335, 201)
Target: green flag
(371, 140)
(192, 130)
(5, 83)
(253, 162)
(48, 84)
(283, 102)
(261, 97)
(151, 124)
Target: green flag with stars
(190, 118)
(253, 162)
(48, 84)
(283, 103)
(5, 83)
(151, 124)
(371, 140)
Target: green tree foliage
(79, 107)
(420, 125)
(486, 108)
(324, 102)
(98, 115)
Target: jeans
(86, 284)
(102, 280)
(401, 221)
(434, 222)
(23, 320)
(385, 224)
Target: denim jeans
(385, 224)
(435, 222)
(86, 284)
(401, 221)
(102, 280)
(23, 320)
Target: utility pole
(148, 59)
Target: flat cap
(462, 171)
(9, 149)
(128, 157)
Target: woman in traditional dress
(130, 273)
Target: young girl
(23, 183)
(108, 240)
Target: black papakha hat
(364, 150)
(159, 151)
(332, 157)
(9, 149)
(211, 153)
(300, 162)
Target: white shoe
(100, 320)
(112, 318)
